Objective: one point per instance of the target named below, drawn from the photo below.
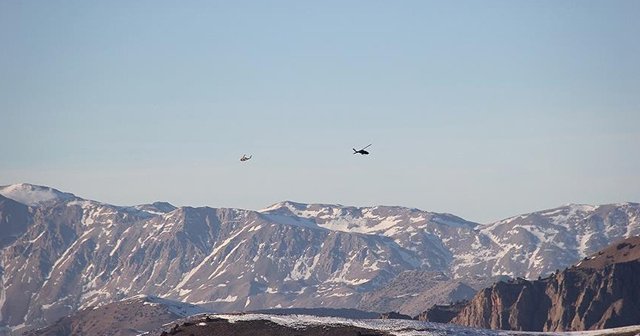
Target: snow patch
(405, 327)
(229, 298)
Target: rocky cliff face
(603, 291)
(442, 313)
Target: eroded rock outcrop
(441, 313)
(603, 291)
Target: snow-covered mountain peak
(379, 220)
(581, 206)
(562, 215)
(296, 208)
(272, 207)
(33, 195)
(567, 214)
(156, 208)
(576, 207)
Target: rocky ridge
(602, 291)
(128, 317)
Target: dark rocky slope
(14, 219)
(441, 313)
(326, 312)
(221, 327)
(411, 291)
(123, 318)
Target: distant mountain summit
(538, 243)
(61, 253)
(33, 195)
(156, 208)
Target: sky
(483, 109)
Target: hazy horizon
(483, 110)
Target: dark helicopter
(362, 151)
(245, 158)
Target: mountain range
(60, 253)
(600, 292)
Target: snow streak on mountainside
(538, 243)
(67, 253)
(526, 245)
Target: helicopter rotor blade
(367, 146)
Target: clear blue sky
(484, 109)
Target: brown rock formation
(603, 291)
(441, 313)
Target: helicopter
(245, 158)
(362, 151)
